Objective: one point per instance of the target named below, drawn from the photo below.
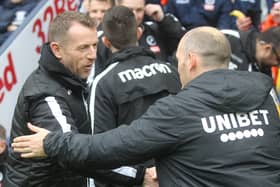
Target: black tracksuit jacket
(53, 98)
(132, 82)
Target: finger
(22, 138)
(34, 128)
(27, 155)
(22, 150)
(20, 144)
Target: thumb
(34, 128)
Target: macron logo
(145, 71)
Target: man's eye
(83, 47)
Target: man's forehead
(133, 3)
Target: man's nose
(92, 52)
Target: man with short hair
(54, 97)
(212, 133)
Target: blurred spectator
(161, 35)
(254, 51)
(96, 8)
(194, 13)
(3, 152)
(162, 3)
(13, 13)
(252, 11)
(273, 19)
(270, 4)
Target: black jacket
(243, 46)
(54, 98)
(212, 133)
(124, 91)
(160, 37)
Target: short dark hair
(271, 36)
(61, 24)
(120, 27)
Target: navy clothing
(9, 12)
(160, 37)
(194, 13)
(133, 81)
(54, 98)
(212, 133)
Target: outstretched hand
(31, 146)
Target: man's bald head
(209, 43)
(202, 49)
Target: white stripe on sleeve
(57, 112)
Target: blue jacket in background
(8, 12)
(194, 13)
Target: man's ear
(139, 32)
(265, 47)
(192, 61)
(56, 49)
(106, 42)
(268, 47)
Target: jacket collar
(131, 52)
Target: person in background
(13, 14)
(160, 36)
(54, 95)
(194, 13)
(163, 3)
(253, 50)
(97, 8)
(273, 20)
(3, 152)
(270, 4)
(212, 133)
